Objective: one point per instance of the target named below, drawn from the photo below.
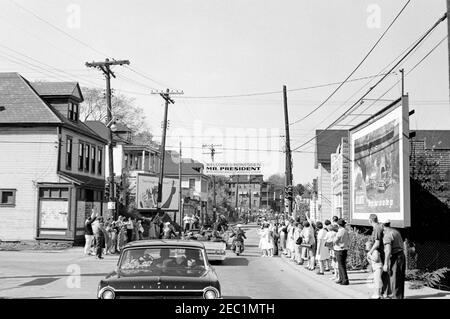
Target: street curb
(345, 290)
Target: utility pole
(288, 146)
(180, 204)
(448, 40)
(237, 194)
(167, 99)
(105, 67)
(212, 151)
(402, 71)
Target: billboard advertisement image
(380, 168)
(147, 193)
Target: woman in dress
(323, 253)
(290, 243)
(264, 240)
(309, 244)
(271, 244)
(282, 234)
(297, 234)
(122, 237)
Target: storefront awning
(81, 180)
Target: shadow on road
(52, 275)
(236, 297)
(235, 261)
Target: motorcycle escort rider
(239, 235)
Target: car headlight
(210, 293)
(107, 293)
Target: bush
(430, 279)
(357, 254)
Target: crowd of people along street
(323, 247)
(318, 246)
(104, 237)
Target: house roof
(23, 105)
(21, 102)
(63, 89)
(437, 139)
(100, 129)
(188, 165)
(326, 143)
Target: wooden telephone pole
(288, 146)
(166, 96)
(105, 67)
(212, 151)
(180, 203)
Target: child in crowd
(377, 269)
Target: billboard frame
(404, 152)
(138, 175)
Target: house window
(99, 161)
(80, 156)
(192, 183)
(93, 159)
(87, 157)
(69, 153)
(73, 112)
(7, 197)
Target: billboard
(147, 193)
(379, 167)
(233, 169)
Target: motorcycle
(238, 247)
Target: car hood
(167, 279)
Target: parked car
(161, 269)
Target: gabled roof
(434, 139)
(326, 143)
(56, 89)
(100, 129)
(22, 103)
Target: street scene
(224, 149)
(69, 274)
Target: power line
(376, 84)
(355, 69)
(57, 28)
(276, 92)
(412, 69)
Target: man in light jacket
(341, 246)
(88, 233)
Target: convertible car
(161, 269)
(215, 246)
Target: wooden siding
(324, 190)
(76, 138)
(27, 156)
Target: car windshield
(162, 259)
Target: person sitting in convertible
(164, 259)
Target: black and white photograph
(256, 152)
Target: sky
(214, 49)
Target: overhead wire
(376, 84)
(356, 68)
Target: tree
(123, 109)
(277, 180)
(223, 195)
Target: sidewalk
(361, 284)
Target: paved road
(68, 274)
